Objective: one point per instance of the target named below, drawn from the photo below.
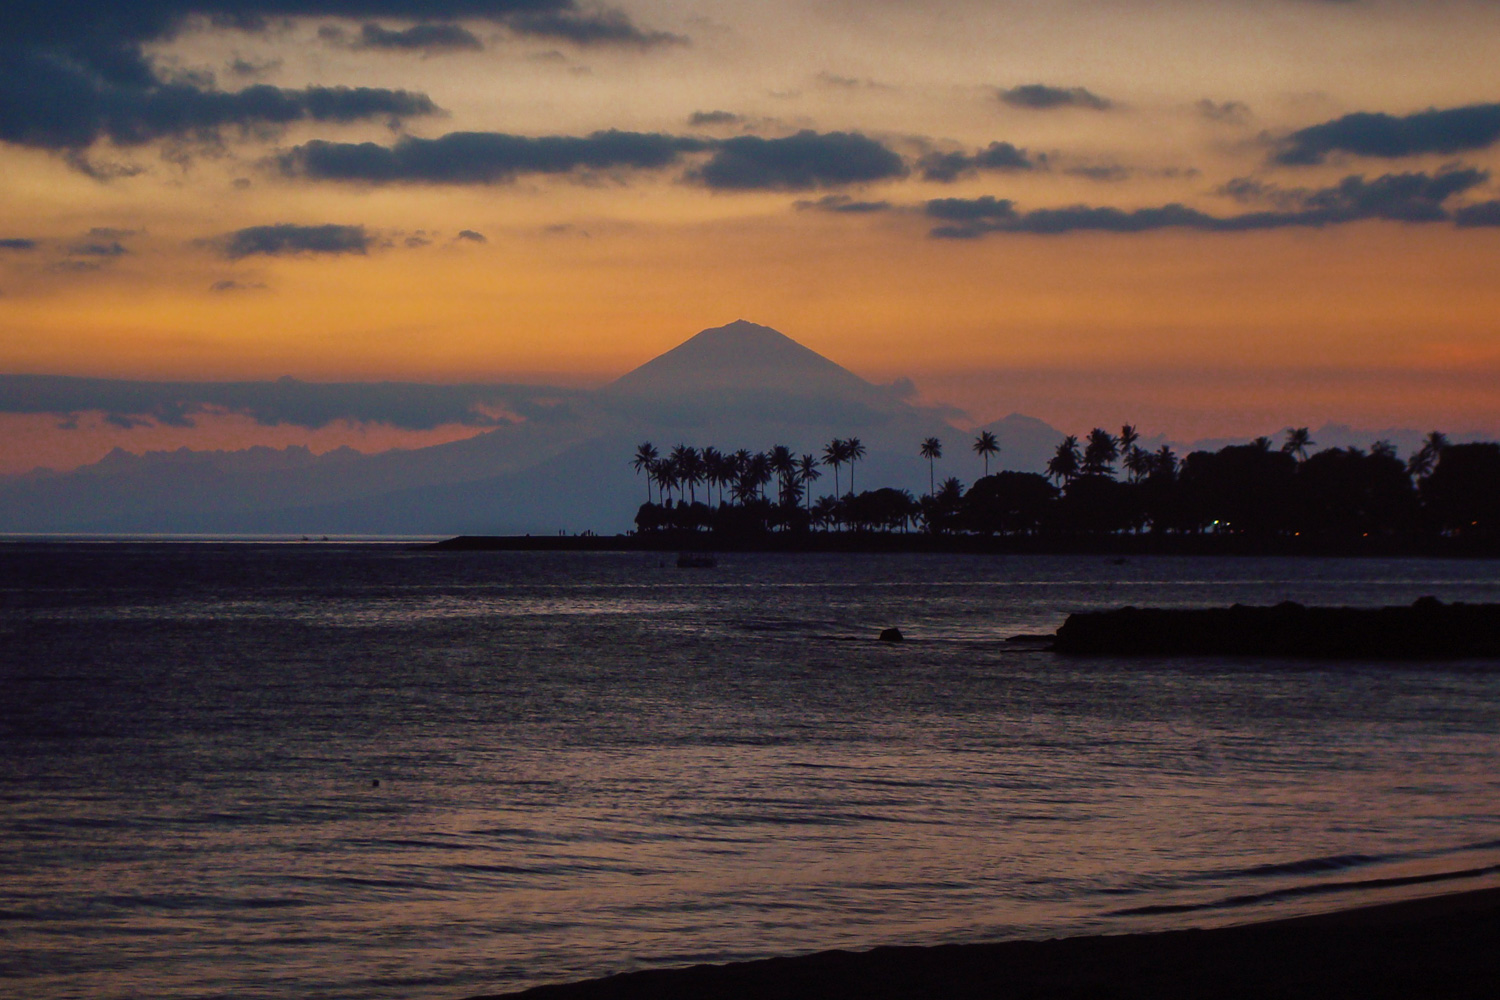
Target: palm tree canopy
(644, 456)
(1064, 464)
(1298, 439)
(1164, 462)
(986, 445)
(1100, 453)
(932, 448)
(1138, 461)
(853, 452)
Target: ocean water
(238, 770)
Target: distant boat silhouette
(696, 560)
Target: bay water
(257, 770)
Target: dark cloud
(286, 401)
(17, 243)
(798, 162)
(971, 209)
(1040, 97)
(230, 285)
(54, 105)
(244, 67)
(1393, 197)
(471, 235)
(1251, 190)
(112, 249)
(844, 204)
(948, 167)
(1229, 112)
(424, 38)
(75, 71)
(100, 170)
(834, 80)
(702, 118)
(95, 30)
(803, 161)
(482, 157)
(111, 233)
(1110, 172)
(605, 27)
(286, 238)
(1486, 213)
(1453, 130)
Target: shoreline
(921, 542)
(1445, 945)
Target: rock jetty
(1428, 629)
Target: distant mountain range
(736, 386)
(566, 468)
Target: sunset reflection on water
(589, 764)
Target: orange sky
(581, 275)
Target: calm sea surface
(345, 771)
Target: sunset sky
(1208, 217)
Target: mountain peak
(740, 356)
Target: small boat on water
(696, 560)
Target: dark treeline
(1104, 486)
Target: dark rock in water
(891, 635)
(1429, 629)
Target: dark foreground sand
(1446, 946)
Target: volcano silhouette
(745, 374)
(741, 356)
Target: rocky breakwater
(1428, 629)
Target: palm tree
(644, 456)
(784, 464)
(685, 468)
(1100, 453)
(1128, 437)
(1164, 463)
(807, 472)
(746, 487)
(835, 453)
(1424, 460)
(741, 464)
(855, 452)
(1063, 466)
(986, 445)
(1297, 442)
(932, 450)
(714, 464)
(759, 471)
(664, 471)
(825, 511)
(1263, 443)
(1138, 461)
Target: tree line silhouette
(1103, 485)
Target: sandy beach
(1444, 946)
